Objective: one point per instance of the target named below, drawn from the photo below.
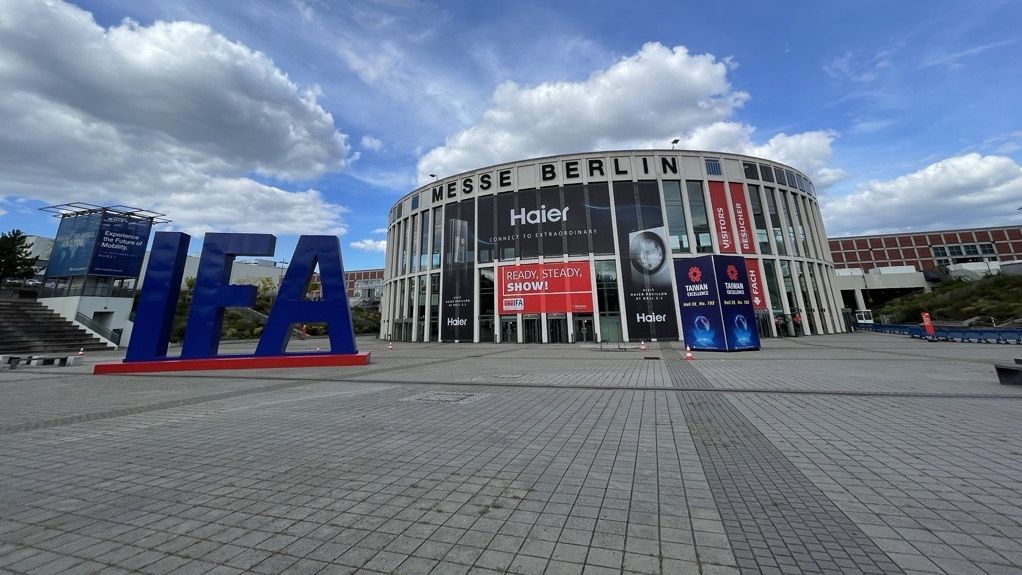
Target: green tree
(15, 262)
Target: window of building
(413, 242)
(759, 218)
(438, 235)
(424, 240)
(751, 173)
(943, 262)
(700, 221)
(986, 248)
(766, 172)
(677, 225)
(606, 300)
(713, 167)
(775, 219)
(783, 199)
(415, 202)
(487, 219)
(434, 307)
(971, 249)
(598, 206)
(487, 292)
(954, 250)
(791, 179)
(779, 175)
(939, 251)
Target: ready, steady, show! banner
(556, 287)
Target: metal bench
(1009, 373)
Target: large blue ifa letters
(213, 294)
(716, 310)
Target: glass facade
(457, 263)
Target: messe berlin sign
(213, 294)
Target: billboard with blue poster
(120, 246)
(73, 246)
(716, 310)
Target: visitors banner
(721, 218)
(545, 288)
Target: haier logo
(541, 215)
(455, 322)
(650, 317)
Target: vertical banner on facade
(755, 284)
(742, 223)
(120, 246)
(716, 308)
(458, 287)
(738, 316)
(700, 309)
(645, 262)
(721, 218)
(73, 246)
(545, 288)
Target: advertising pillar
(716, 308)
(457, 293)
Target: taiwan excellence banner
(545, 288)
(458, 291)
(73, 246)
(716, 308)
(645, 262)
(701, 321)
(120, 246)
(737, 313)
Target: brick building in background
(927, 251)
(364, 287)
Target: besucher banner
(645, 262)
(458, 293)
(545, 288)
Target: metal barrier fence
(956, 334)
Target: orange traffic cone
(688, 353)
(390, 345)
(81, 351)
(642, 345)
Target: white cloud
(370, 245)
(370, 143)
(158, 116)
(960, 191)
(857, 68)
(380, 231)
(651, 96)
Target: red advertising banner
(755, 285)
(741, 218)
(545, 288)
(721, 218)
(928, 324)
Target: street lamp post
(675, 141)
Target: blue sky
(299, 116)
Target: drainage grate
(446, 397)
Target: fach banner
(755, 284)
(645, 262)
(545, 288)
(701, 322)
(739, 318)
(120, 246)
(459, 254)
(716, 310)
(73, 246)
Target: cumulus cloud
(380, 231)
(370, 143)
(653, 95)
(156, 115)
(370, 245)
(642, 101)
(960, 191)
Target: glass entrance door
(530, 330)
(557, 329)
(509, 329)
(584, 328)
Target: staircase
(27, 326)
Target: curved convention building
(584, 247)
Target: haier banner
(120, 246)
(716, 312)
(645, 262)
(739, 317)
(545, 288)
(458, 288)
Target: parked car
(33, 283)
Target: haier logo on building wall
(650, 318)
(542, 215)
(457, 322)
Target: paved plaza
(854, 453)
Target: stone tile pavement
(858, 453)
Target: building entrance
(509, 329)
(584, 328)
(530, 330)
(557, 329)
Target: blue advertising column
(716, 311)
